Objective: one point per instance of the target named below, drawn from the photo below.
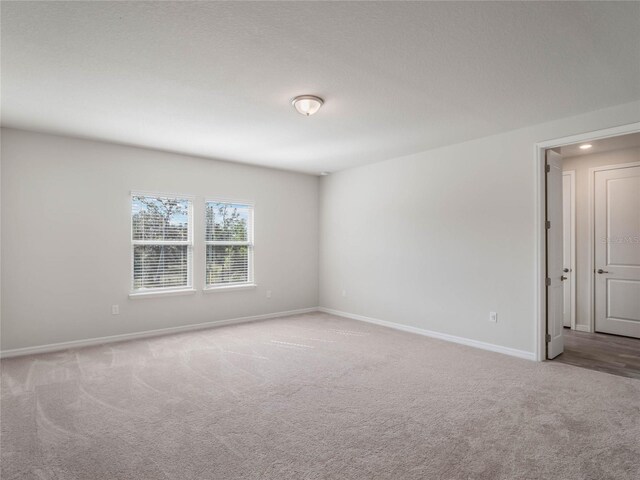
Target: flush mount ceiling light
(586, 146)
(307, 104)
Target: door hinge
(548, 224)
(548, 282)
(548, 338)
(547, 168)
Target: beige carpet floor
(312, 397)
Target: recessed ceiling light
(324, 174)
(307, 104)
(586, 146)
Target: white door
(568, 248)
(617, 251)
(555, 275)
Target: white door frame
(572, 179)
(591, 241)
(540, 320)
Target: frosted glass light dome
(307, 104)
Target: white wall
(434, 240)
(581, 164)
(66, 238)
(439, 239)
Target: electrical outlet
(115, 309)
(493, 317)
(268, 293)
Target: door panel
(624, 220)
(622, 301)
(617, 251)
(555, 288)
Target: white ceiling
(603, 145)
(216, 78)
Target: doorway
(591, 246)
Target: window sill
(163, 293)
(227, 288)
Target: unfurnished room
(304, 240)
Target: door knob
(602, 271)
(563, 278)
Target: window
(229, 239)
(162, 243)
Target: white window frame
(250, 243)
(143, 292)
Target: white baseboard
(583, 328)
(53, 347)
(429, 333)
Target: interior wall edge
(56, 347)
(433, 334)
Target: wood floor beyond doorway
(602, 352)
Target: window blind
(229, 241)
(162, 244)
